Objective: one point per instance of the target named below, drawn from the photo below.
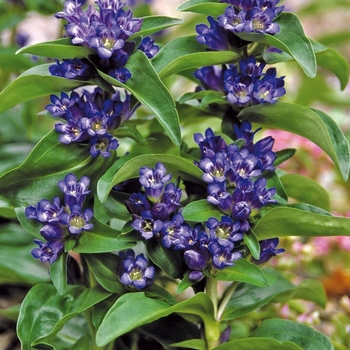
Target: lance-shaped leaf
(312, 124)
(147, 87)
(249, 297)
(49, 162)
(186, 53)
(290, 39)
(242, 271)
(122, 170)
(60, 48)
(260, 343)
(153, 24)
(285, 330)
(306, 190)
(207, 7)
(43, 312)
(58, 273)
(201, 211)
(34, 83)
(100, 239)
(133, 310)
(287, 221)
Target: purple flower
(74, 191)
(211, 77)
(210, 144)
(137, 203)
(53, 232)
(148, 47)
(78, 69)
(222, 255)
(77, 220)
(173, 231)
(232, 20)
(103, 145)
(171, 197)
(147, 226)
(47, 251)
(268, 250)
(215, 170)
(153, 181)
(134, 271)
(224, 230)
(45, 211)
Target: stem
(212, 332)
(92, 330)
(226, 298)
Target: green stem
(226, 298)
(212, 332)
(92, 330)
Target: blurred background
(24, 22)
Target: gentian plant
(157, 215)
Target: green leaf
(201, 211)
(306, 190)
(169, 260)
(104, 268)
(100, 239)
(284, 330)
(58, 273)
(34, 83)
(206, 7)
(242, 271)
(130, 131)
(49, 162)
(186, 53)
(10, 62)
(283, 222)
(312, 124)
(17, 266)
(290, 39)
(185, 283)
(60, 48)
(248, 297)
(197, 344)
(128, 167)
(146, 86)
(153, 24)
(258, 343)
(252, 244)
(133, 310)
(283, 155)
(43, 312)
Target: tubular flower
(60, 222)
(134, 272)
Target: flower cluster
(134, 271)
(233, 172)
(106, 30)
(154, 208)
(243, 84)
(61, 221)
(90, 118)
(253, 16)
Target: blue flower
(45, 211)
(268, 250)
(147, 226)
(77, 220)
(103, 145)
(79, 69)
(48, 251)
(148, 47)
(134, 271)
(153, 181)
(174, 230)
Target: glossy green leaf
(17, 266)
(130, 131)
(185, 283)
(44, 312)
(306, 190)
(153, 24)
(303, 121)
(285, 330)
(128, 168)
(252, 244)
(258, 343)
(248, 297)
(207, 7)
(34, 83)
(242, 271)
(168, 260)
(10, 62)
(104, 268)
(290, 39)
(283, 155)
(197, 344)
(31, 226)
(201, 211)
(186, 53)
(13, 234)
(133, 310)
(283, 222)
(58, 273)
(60, 48)
(100, 239)
(49, 162)
(146, 86)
